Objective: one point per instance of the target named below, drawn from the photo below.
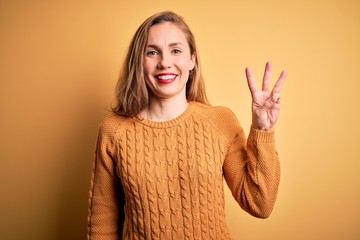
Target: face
(167, 61)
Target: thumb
(272, 101)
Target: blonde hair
(132, 94)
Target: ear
(192, 61)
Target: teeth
(166, 77)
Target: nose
(164, 62)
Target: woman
(162, 157)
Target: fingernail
(268, 64)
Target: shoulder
(222, 118)
(111, 125)
(219, 115)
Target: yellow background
(59, 62)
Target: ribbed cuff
(262, 136)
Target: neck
(161, 110)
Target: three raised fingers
(266, 80)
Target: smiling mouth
(166, 78)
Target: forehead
(166, 33)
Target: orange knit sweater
(166, 178)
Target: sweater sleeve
(252, 170)
(106, 200)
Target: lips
(166, 78)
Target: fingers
(279, 83)
(266, 80)
(267, 76)
(250, 80)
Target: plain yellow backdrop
(59, 62)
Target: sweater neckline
(169, 123)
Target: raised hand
(265, 104)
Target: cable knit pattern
(170, 175)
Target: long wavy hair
(132, 94)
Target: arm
(106, 200)
(252, 170)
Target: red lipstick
(166, 78)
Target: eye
(152, 53)
(176, 51)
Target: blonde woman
(161, 158)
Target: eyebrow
(170, 45)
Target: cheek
(149, 65)
(147, 72)
(185, 65)
(146, 67)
